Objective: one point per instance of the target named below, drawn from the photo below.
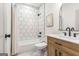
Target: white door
(2, 30)
(5, 28)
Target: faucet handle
(74, 34)
(65, 33)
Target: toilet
(41, 48)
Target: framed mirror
(69, 16)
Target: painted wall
(54, 9)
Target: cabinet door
(58, 48)
(69, 52)
(54, 50)
(51, 49)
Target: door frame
(13, 40)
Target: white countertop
(65, 38)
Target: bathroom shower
(30, 25)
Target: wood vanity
(58, 47)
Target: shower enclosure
(29, 23)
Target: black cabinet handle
(74, 34)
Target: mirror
(69, 16)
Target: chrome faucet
(68, 29)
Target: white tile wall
(27, 23)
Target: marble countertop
(65, 38)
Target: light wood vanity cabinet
(51, 47)
(57, 47)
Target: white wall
(54, 9)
